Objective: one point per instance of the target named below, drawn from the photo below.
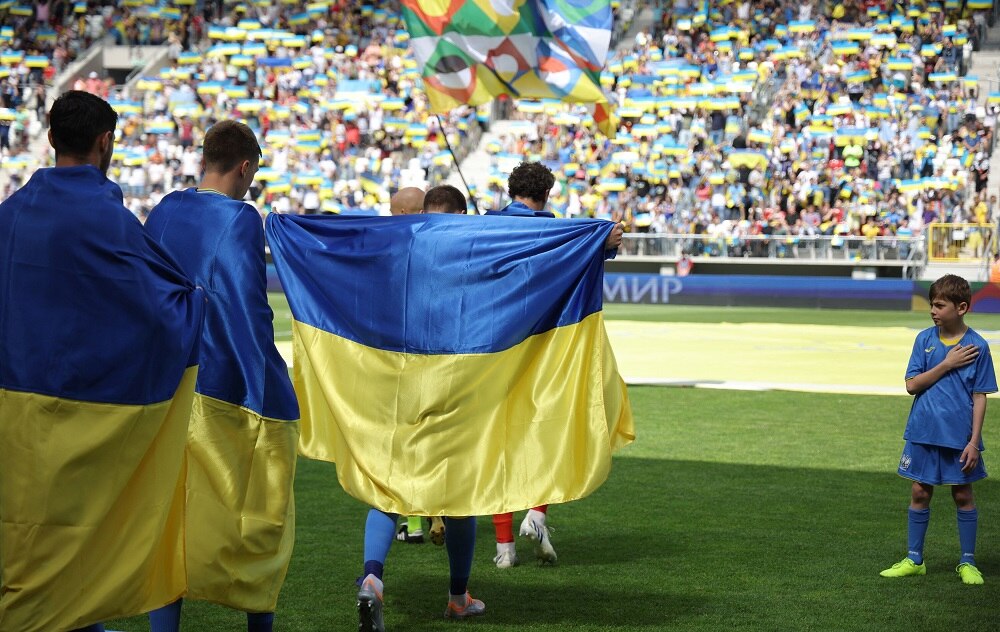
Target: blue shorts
(936, 465)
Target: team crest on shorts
(904, 462)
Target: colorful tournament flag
(455, 352)
(98, 346)
(471, 52)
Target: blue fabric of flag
(118, 325)
(514, 277)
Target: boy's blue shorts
(936, 465)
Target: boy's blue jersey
(942, 414)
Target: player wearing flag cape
(99, 335)
(242, 442)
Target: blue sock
(919, 518)
(380, 531)
(460, 540)
(260, 621)
(968, 520)
(167, 618)
(97, 627)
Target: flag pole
(458, 167)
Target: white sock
(537, 516)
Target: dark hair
(227, 144)
(76, 119)
(952, 288)
(531, 180)
(445, 198)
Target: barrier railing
(803, 247)
(959, 242)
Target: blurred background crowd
(848, 118)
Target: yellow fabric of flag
(409, 448)
(129, 459)
(240, 470)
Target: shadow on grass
(663, 545)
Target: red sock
(504, 524)
(541, 508)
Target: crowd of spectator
(738, 118)
(778, 118)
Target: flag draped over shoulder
(98, 341)
(473, 51)
(243, 434)
(450, 364)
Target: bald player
(407, 201)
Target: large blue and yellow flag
(474, 51)
(243, 431)
(452, 364)
(98, 340)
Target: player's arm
(958, 356)
(970, 455)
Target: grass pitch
(733, 510)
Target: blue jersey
(520, 209)
(219, 243)
(942, 414)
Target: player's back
(219, 243)
(77, 267)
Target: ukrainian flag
(747, 158)
(98, 345)
(458, 365)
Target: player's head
(530, 181)
(952, 289)
(231, 150)
(82, 129)
(445, 198)
(407, 201)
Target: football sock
(260, 621)
(504, 524)
(461, 545)
(537, 516)
(541, 509)
(968, 521)
(414, 524)
(380, 530)
(918, 520)
(167, 618)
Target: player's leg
(461, 545)
(167, 618)
(533, 527)
(506, 552)
(380, 528)
(260, 621)
(968, 524)
(412, 531)
(917, 520)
